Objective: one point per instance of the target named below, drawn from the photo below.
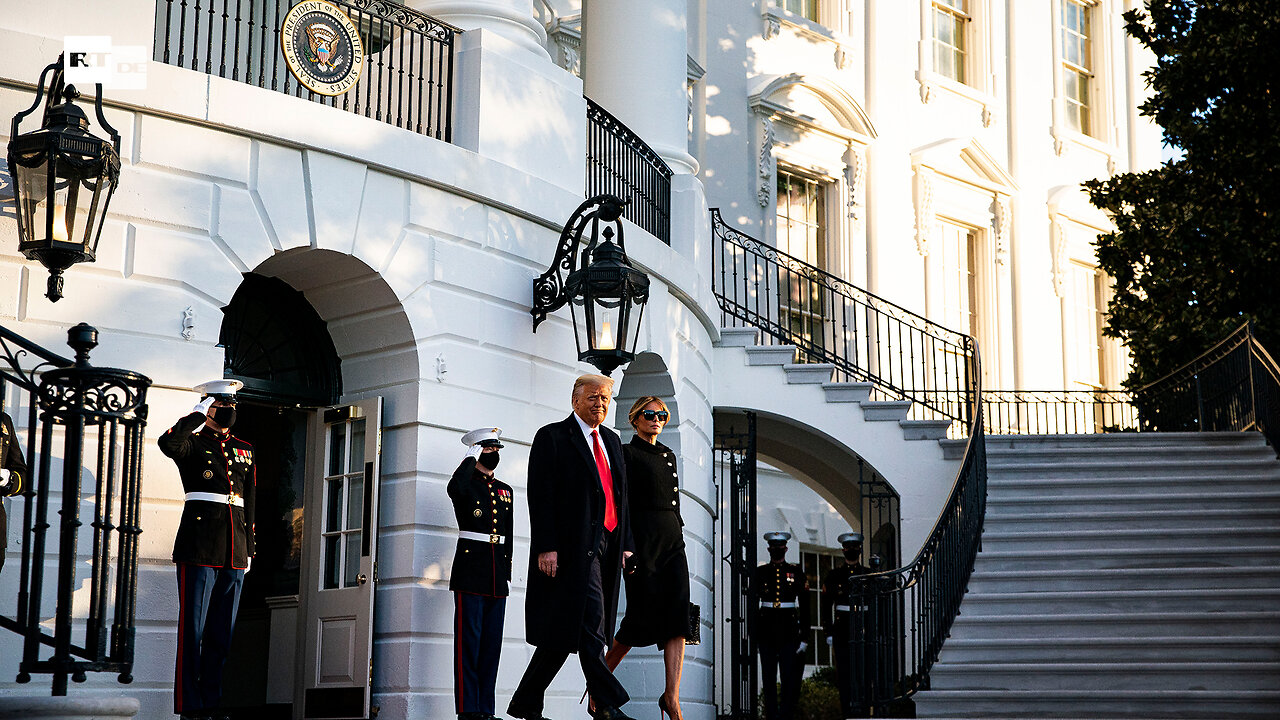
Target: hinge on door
(370, 672)
(375, 572)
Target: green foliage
(1196, 250)
(819, 698)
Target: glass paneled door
(340, 562)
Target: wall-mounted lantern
(63, 178)
(599, 284)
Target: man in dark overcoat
(579, 539)
(214, 545)
(13, 474)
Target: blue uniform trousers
(208, 598)
(477, 642)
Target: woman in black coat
(658, 590)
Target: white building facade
(928, 151)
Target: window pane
(357, 445)
(353, 559)
(333, 511)
(337, 448)
(331, 561)
(355, 503)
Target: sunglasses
(651, 414)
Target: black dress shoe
(527, 714)
(611, 714)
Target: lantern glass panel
(33, 189)
(606, 326)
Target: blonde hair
(593, 380)
(639, 406)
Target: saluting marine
(844, 621)
(781, 587)
(481, 572)
(13, 474)
(214, 546)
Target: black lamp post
(600, 284)
(63, 178)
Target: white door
(339, 562)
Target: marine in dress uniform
(214, 546)
(481, 572)
(844, 623)
(13, 474)
(778, 630)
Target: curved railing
(868, 339)
(622, 164)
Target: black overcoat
(566, 515)
(11, 459)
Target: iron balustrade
(620, 163)
(1058, 412)
(1235, 386)
(82, 423)
(903, 616)
(408, 71)
(867, 338)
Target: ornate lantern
(600, 285)
(63, 179)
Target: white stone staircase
(1121, 576)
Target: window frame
(961, 22)
(1095, 107)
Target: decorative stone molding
(565, 38)
(925, 219)
(1058, 254)
(772, 26)
(1000, 229)
(926, 91)
(765, 162)
(855, 178)
(988, 117)
(842, 58)
(188, 323)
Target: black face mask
(488, 460)
(223, 415)
(853, 556)
(776, 554)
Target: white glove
(474, 451)
(803, 646)
(248, 565)
(830, 640)
(203, 406)
(4, 476)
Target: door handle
(361, 579)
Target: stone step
(1000, 517)
(997, 538)
(1004, 502)
(737, 337)
(1110, 625)
(844, 392)
(1081, 704)
(1114, 649)
(924, 429)
(886, 410)
(1228, 441)
(771, 354)
(1097, 470)
(808, 373)
(1106, 676)
(1264, 599)
(1132, 454)
(1183, 558)
(1060, 579)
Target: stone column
(514, 20)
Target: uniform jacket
(483, 506)
(782, 583)
(566, 515)
(836, 587)
(13, 461)
(212, 534)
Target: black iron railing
(902, 617)
(407, 79)
(1235, 386)
(867, 338)
(76, 423)
(620, 163)
(1054, 412)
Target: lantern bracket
(56, 88)
(549, 287)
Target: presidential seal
(322, 47)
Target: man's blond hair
(593, 380)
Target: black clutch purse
(694, 634)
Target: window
(816, 565)
(807, 9)
(1077, 64)
(1084, 327)
(950, 25)
(959, 281)
(801, 234)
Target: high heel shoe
(664, 709)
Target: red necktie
(606, 482)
